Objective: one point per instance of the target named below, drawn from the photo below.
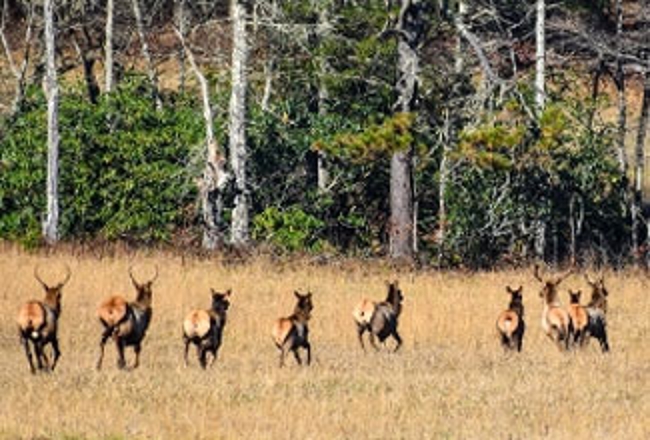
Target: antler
(132, 277)
(564, 275)
(155, 275)
(68, 274)
(589, 280)
(536, 273)
(38, 278)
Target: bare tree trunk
(620, 88)
(51, 224)
(180, 24)
(402, 225)
(19, 72)
(639, 166)
(108, 47)
(237, 126)
(215, 177)
(323, 175)
(540, 55)
(151, 70)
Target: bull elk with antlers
(38, 324)
(126, 322)
(556, 321)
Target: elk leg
(28, 353)
(213, 358)
(308, 348)
(360, 331)
(102, 344)
(282, 354)
(297, 356)
(372, 341)
(121, 362)
(398, 339)
(187, 349)
(604, 345)
(56, 353)
(203, 357)
(137, 349)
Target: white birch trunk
(151, 71)
(540, 56)
(51, 223)
(108, 47)
(322, 173)
(237, 125)
(215, 177)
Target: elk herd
(126, 322)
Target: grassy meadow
(450, 380)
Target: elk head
(394, 296)
(144, 292)
(574, 296)
(599, 292)
(304, 306)
(550, 285)
(53, 292)
(220, 301)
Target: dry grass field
(451, 379)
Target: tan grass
(451, 380)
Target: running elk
(510, 323)
(556, 321)
(597, 312)
(126, 322)
(292, 332)
(579, 318)
(204, 328)
(38, 324)
(380, 319)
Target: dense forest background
(455, 133)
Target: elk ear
(509, 290)
(297, 294)
(228, 293)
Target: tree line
(458, 133)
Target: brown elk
(126, 322)
(579, 317)
(380, 319)
(556, 321)
(597, 312)
(38, 324)
(510, 323)
(204, 328)
(292, 333)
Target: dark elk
(204, 328)
(510, 323)
(380, 320)
(292, 333)
(126, 322)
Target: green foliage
(392, 135)
(123, 169)
(291, 229)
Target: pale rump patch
(196, 324)
(558, 318)
(281, 329)
(113, 310)
(507, 322)
(31, 316)
(363, 311)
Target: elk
(556, 321)
(380, 319)
(292, 332)
(126, 322)
(579, 318)
(597, 312)
(204, 328)
(38, 324)
(510, 323)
